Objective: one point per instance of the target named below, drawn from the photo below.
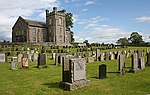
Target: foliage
(122, 41)
(69, 20)
(136, 39)
(72, 36)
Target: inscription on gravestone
(79, 69)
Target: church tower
(56, 26)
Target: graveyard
(97, 70)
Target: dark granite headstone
(102, 71)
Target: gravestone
(2, 58)
(32, 51)
(102, 71)
(97, 54)
(121, 67)
(14, 63)
(106, 56)
(29, 57)
(148, 58)
(20, 57)
(141, 63)
(118, 54)
(139, 53)
(127, 55)
(102, 57)
(135, 63)
(112, 56)
(65, 67)
(76, 76)
(42, 60)
(28, 52)
(25, 63)
(53, 56)
(90, 59)
(58, 59)
(35, 57)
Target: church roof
(35, 23)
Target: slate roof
(35, 23)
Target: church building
(54, 31)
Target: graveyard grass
(45, 81)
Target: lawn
(45, 81)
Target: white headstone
(2, 58)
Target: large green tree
(69, 23)
(122, 41)
(136, 39)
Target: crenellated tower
(56, 26)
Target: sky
(98, 21)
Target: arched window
(60, 30)
(50, 21)
(60, 21)
(22, 32)
(33, 31)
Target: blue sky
(94, 20)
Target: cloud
(10, 10)
(83, 10)
(96, 19)
(75, 18)
(95, 31)
(67, 1)
(101, 34)
(143, 19)
(89, 3)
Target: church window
(22, 32)
(34, 38)
(34, 31)
(50, 21)
(60, 21)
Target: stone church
(53, 32)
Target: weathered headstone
(101, 58)
(121, 67)
(135, 63)
(102, 71)
(112, 56)
(106, 56)
(20, 57)
(66, 68)
(76, 75)
(14, 63)
(53, 56)
(97, 54)
(35, 57)
(90, 59)
(25, 62)
(141, 63)
(42, 60)
(2, 58)
(58, 59)
(29, 57)
(148, 58)
(32, 51)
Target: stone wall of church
(19, 32)
(37, 34)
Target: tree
(136, 39)
(87, 43)
(122, 41)
(72, 38)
